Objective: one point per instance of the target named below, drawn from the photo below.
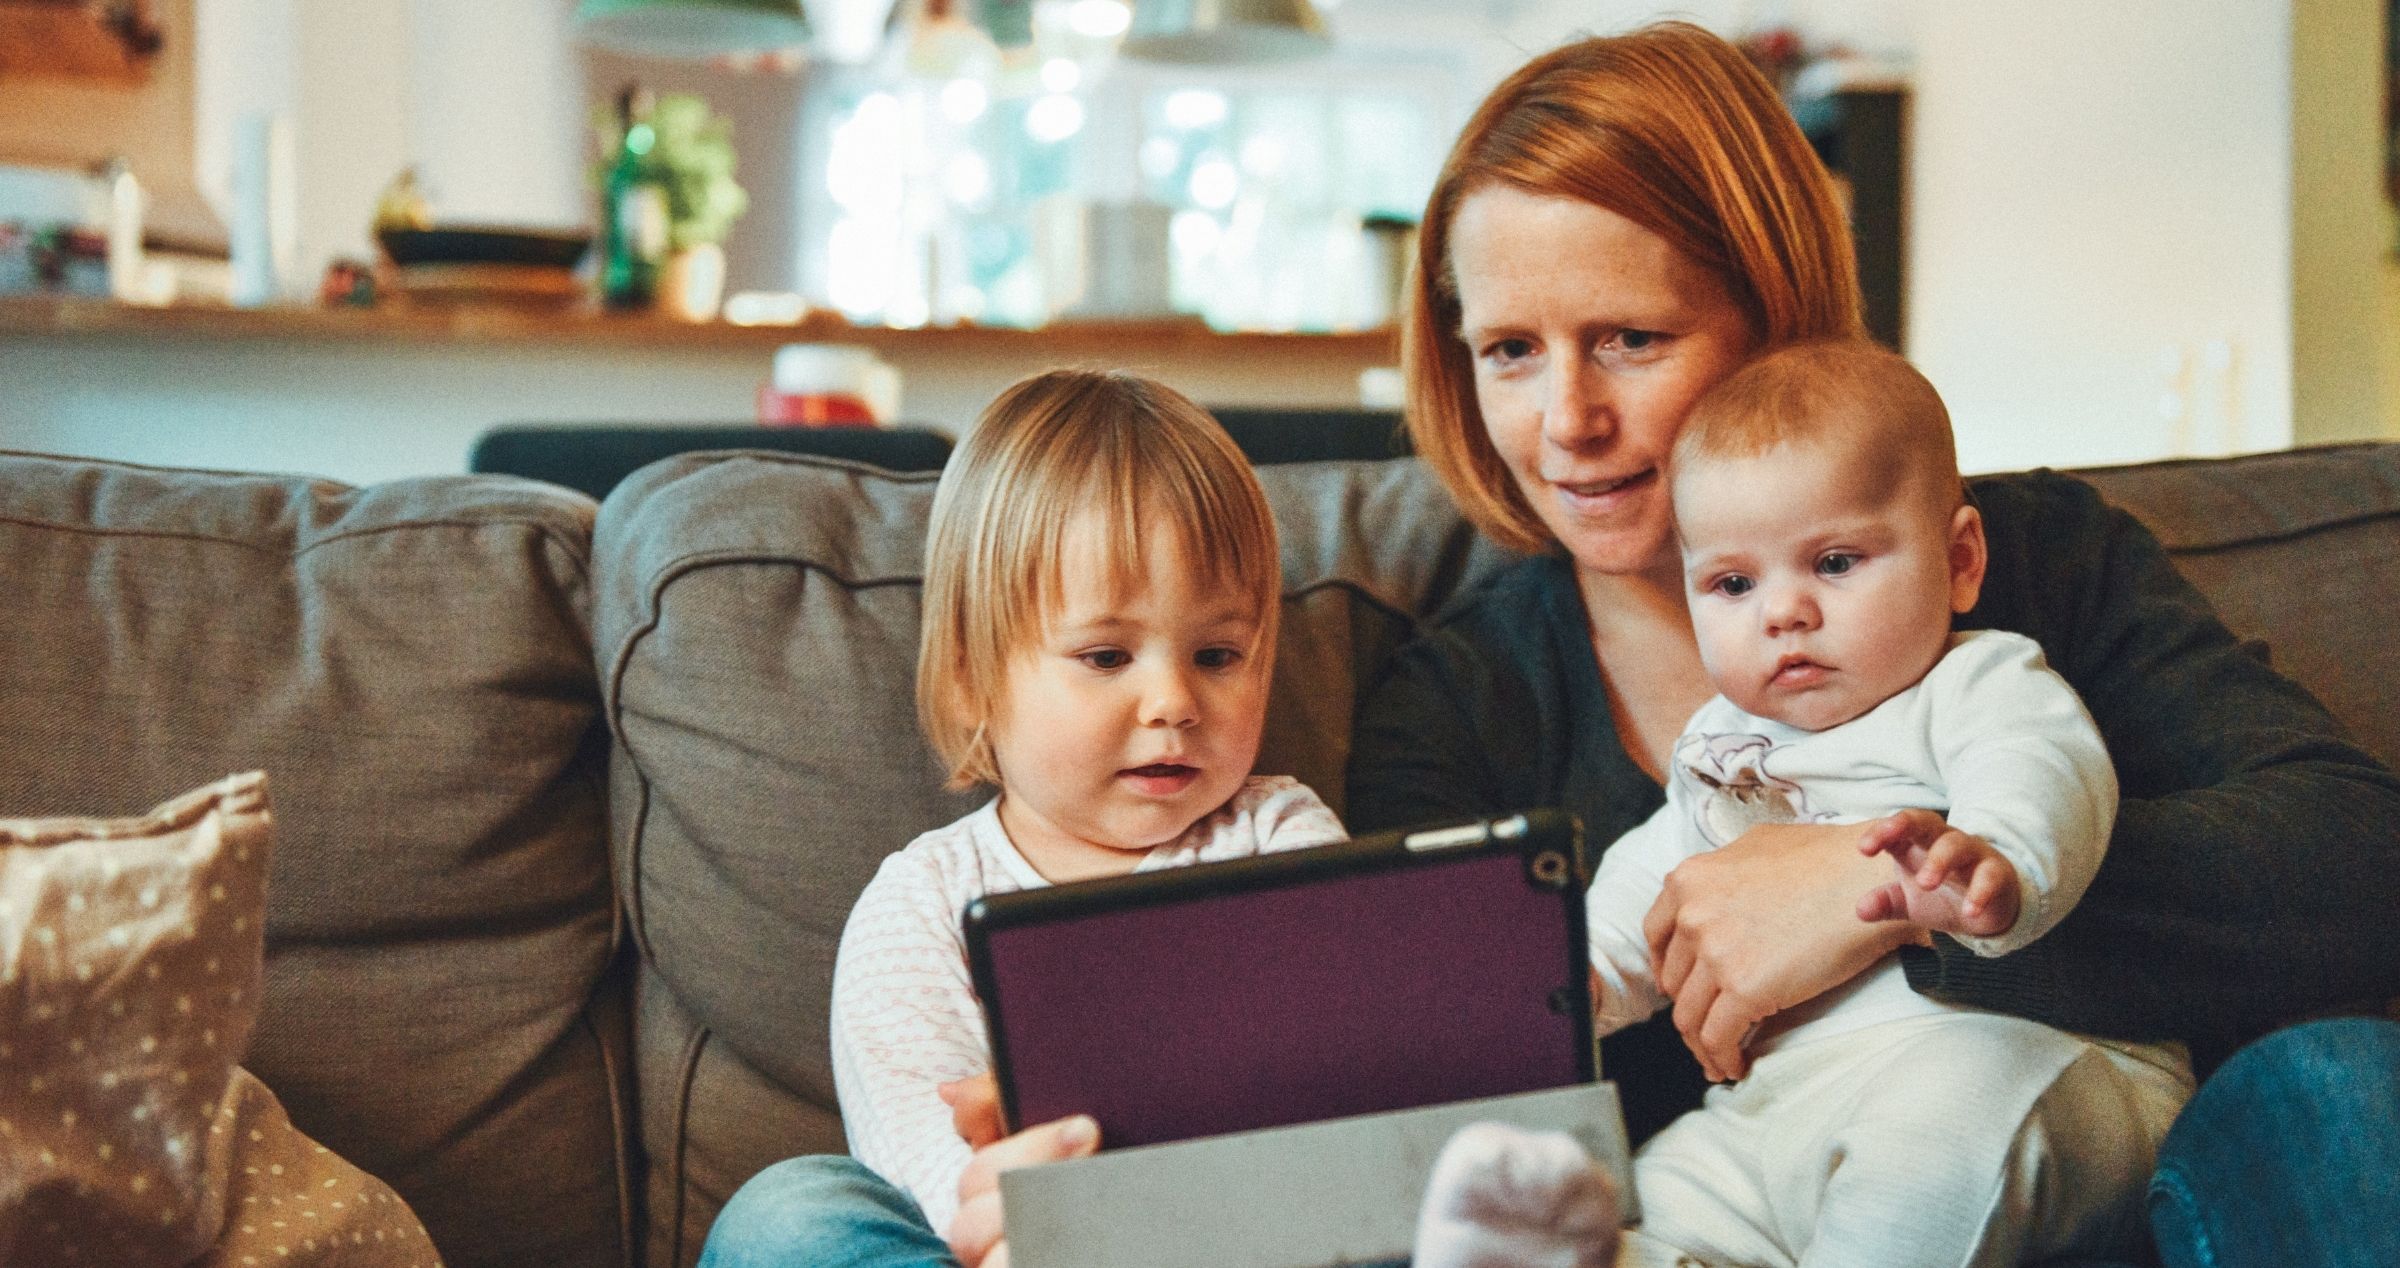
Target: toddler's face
(1132, 716)
(1821, 584)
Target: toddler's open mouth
(1161, 778)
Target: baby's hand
(1950, 881)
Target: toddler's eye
(1105, 658)
(1836, 564)
(1218, 657)
(1732, 587)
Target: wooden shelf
(111, 42)
(56, 316)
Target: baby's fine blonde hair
(1846, 394)
(1050, 451)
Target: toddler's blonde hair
(1049, 451)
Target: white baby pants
(1961, 1139)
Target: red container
(811, 409)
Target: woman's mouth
(1160, 779)
(1589, 496)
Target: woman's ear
(1969, 554)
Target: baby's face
(1821, 583)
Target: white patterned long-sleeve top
(905, 1017)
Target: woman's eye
(1733, 587)
(1836, 564)
(1105, 658)
(1506, 350)
(1638, 340)
(1218, 657)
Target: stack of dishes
(468, 264)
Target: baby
(1827, 544)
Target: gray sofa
(572, 801)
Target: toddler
(1101, 587)
(1827, 544)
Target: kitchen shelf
(460, 324)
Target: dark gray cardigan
(2252, 877)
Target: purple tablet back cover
(1408, 987)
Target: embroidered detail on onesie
(1731, 789)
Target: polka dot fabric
(130, 957)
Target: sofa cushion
(757, 633)
(2294, 549)
(411, 665)
(130, 957)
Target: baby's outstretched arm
(1950, 881)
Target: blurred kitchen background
(2107, 232)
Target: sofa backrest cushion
(757, 635)
(2298, 549)
(411, 665)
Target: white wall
(2131, 238)
(485, 100)
(361, 412)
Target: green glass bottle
(633, 210)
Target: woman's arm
(2254, 867)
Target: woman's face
(1591, 339)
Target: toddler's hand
(1951, 882)
(977, 1234)
(974, 1104)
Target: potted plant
(688, 154)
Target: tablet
(1398, 970)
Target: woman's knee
(2320, 1079)
(2288, 1154)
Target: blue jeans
(822, 1212)
(2289, 1156)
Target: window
(1258, 198)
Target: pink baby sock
(1502, 1197)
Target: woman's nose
(1576, 408)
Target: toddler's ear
(1968, 556)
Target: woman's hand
(976, 1235)
(1766, 923)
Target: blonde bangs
(1049, 454)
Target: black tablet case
(1391, 972)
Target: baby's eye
(1105, 658)
(1837, 563)
(1218, 657)
(1732, 585)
